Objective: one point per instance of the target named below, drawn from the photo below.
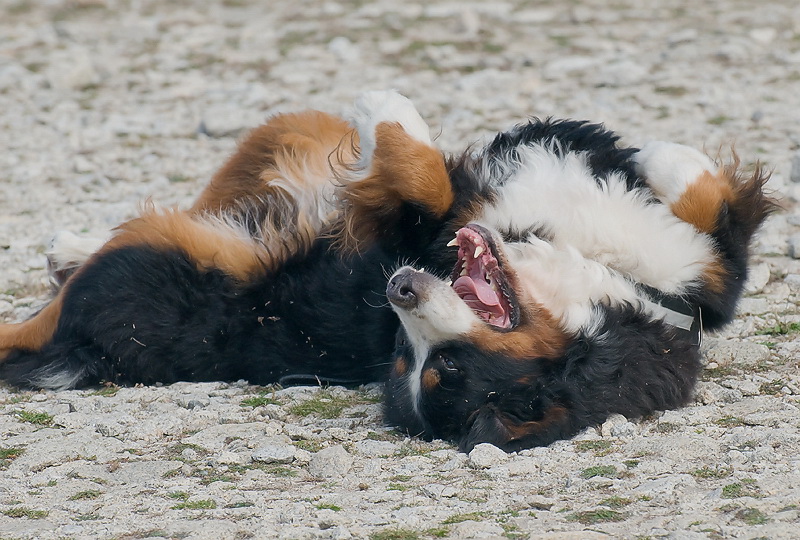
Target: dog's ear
(490, 424)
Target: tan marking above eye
(400, 366)
(431, 379)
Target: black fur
(138, 315)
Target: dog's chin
(480, 278)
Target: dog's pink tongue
(465, 286)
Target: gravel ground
(106, 102)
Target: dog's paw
(671, 168)
(66, 253)
(375, 107)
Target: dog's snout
(400, 290)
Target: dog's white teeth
(453, 242)
(463, 272)
(478, 251)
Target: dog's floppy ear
(491, 425)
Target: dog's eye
(447, 362)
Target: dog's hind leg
(400, 180)
(33, 334)
(68, 252)
(719, 201)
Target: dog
(551, 278)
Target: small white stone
(757, 279)
(486, 455)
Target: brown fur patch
(403, 169)
(552, 416)
(288, 143)
(400, 366)
(703, 200)
(32, 334)
(728, 193)
(210, 244)
(431, 379)
(537, 336)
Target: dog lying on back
(554, 277)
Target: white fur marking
(671, 168)
(606, 223)
(375, 107)
(68, 250)
(440, 316)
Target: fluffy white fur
(670, 168)
(607, 224)
(440, 316)
(375, 107)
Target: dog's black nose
(400, 290)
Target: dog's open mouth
(479, 280)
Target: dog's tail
(58, 366)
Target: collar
(675, 311)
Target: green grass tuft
(752, 516)
(608, 471)
(395, 534)
(458, 518)
(39, 419)
(259, 401)
(601, 515)
(203, 504)
(25, 512)
(324, 405)
(9, 454)
(84, 495)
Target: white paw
(372, 108)
(671, 168)
(68, 251)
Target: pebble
(330, 462)
(486, 455)
(794, 172)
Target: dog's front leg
(400, 188)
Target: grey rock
(794, 175)
(617, 425)
(330, 462)
(726, 353)
(710, 392)
(274, 453)
(753, 306)
(793, 281)
(372, 448)
(794, 246)
(486, 455)
(758, 278)
(475, 529)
